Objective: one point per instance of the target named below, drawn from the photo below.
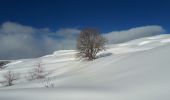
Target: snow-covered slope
(136, 70)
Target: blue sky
(33, 28)
(106, 15)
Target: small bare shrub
(36, 73)
(9, 78)
(48, 83)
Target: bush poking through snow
(9, 78)
(48, 83)
(36, 73)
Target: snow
(165, 41)
(13, 63)
(157, 37)
(135, 70)
(144, 42)
(123, 44)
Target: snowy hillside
(135, 70)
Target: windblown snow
(135, 70)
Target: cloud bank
(134, 33)
(20, 41)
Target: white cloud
(15, 28)
(133, 33)
(20, 41)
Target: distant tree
(89, 43)
(37, 72)
(9, 78)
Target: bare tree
(89, 43)
(10, 77)
(37, 72)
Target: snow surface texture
(136, 70)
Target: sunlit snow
(136, 70)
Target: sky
(32, 28)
